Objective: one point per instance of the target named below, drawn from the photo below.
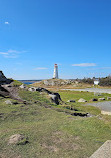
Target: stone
(101, 99)
(108, 98)
(22, 86)
(18, 139)
(81, 100)
(80, 114)
(12, 92)
(69, 101)
(54, 98)
(94, 99)
(3, 79)
(8, 102)
(32, 89)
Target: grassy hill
(51, 131)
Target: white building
(55, 74)
(96, 81)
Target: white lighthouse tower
(55, 75)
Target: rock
(12, 92)
(94, 99)
(101, 99)
(32, 89)
(56, 82)
(8, 102)
(80, 114)
(54, 98)
(69, 101)
(3, 79)
(81, 100)
(108, 98)
(18, 139)
(22, 86)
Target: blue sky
(36, 34)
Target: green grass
(72, 95)
(50, 133)
(16, 83)
(33, 96)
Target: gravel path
(104, 106)
(95, 90)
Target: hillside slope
(50, 132)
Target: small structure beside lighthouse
(55, 75)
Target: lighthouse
(55, 75)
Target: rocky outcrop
(4, 88)
(55, 97)
(10, 91)
(55, 82)
(3, 79)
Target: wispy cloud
(11, 53)
(40, 68)
(84, 64)
(105, 68)
(99, 68)
(7, 23)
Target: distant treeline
(105, 81)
